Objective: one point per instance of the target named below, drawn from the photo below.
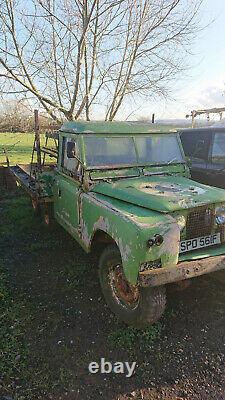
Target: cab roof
(79, 127)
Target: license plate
(198, 243)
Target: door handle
(59, 192)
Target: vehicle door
(196, 147)
(67, 186)
(217, 165)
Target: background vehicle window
(196, 144)
(218, 150)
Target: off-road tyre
(151, 302)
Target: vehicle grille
(200, 222)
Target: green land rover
(126, 189)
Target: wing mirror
(71, 151)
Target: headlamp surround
(220, 215)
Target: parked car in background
(205, 149)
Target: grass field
(18, 146)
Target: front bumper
(183, 270)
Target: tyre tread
(152, 302)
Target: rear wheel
(134, 305)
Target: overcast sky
(204, 84)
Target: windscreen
(128, 151)
(102, 151)
(158, 149)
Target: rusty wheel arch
(100, 237)
(99, 242)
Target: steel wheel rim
(124, 293)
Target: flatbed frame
(27, 176)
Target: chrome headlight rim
(181, 221)
(220, 215)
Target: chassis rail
(24, 179)
(29, 184)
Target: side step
(24, 179)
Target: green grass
(127, 337)
(18, 145)
(18, 367)
(13, 317)
(41, 351)
(20, 215)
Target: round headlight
(150, 242)
(220, 215)
(158, 239)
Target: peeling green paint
(162, 193)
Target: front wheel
(134, 305)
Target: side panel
(66, 209)
(131, 230)
(67, 186)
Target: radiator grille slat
(200, 222)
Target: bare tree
(71, 55)
(16, 116)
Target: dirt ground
(65, 325)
